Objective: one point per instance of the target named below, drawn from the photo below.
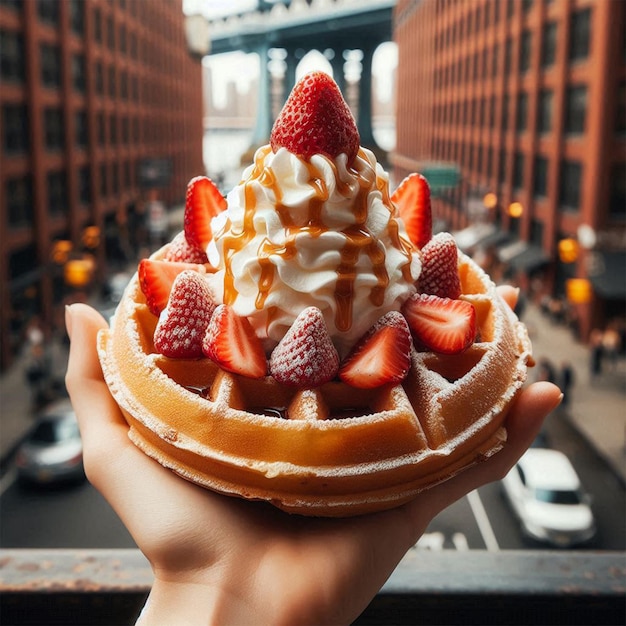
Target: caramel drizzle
(358, 240)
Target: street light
(490, 200)
(516, 209)
(568, 250)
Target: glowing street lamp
(516, 209)
(568, 250)
(490, 200)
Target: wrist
(192, 604)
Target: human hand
(223, 560)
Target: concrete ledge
(510, 587)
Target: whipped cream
(312, 233)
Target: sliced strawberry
(204, 201)
(156, 279)
(382, 356)
(305, 357)
(183, 323)
(440, 267)
(181, 251)
(231, 342)
(440, 324)
(412, 198)
(316, 120)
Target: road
(78, 517)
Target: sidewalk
(597, 405)
(597, 408)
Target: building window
(15, 127)
(548, 46)
(53, 128)
(575, 110)
(97, 25)
(540, 183)
(50, 65)
(569, 186)
(580, 35)
(57, 193)
(99, 72)
(48, 11)
(79, 72)
(112, 86)
(501, 166)
(508, 56)
(525, 51)
(110, 33)
(544, 117)
(12, 69)
(620, 109)
(617, 186)
(84, 185)
(536, 232)
(104, 181)
(19, 195)
(112, 129)
(518, 171)
(81, 130)
(505, 113)
(521, 120)
(77, 16)
(101, 129)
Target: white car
(545, 494)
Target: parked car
(53, 450)
(546, 496)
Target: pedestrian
(610, 344)
(566, 380)
(546, 371)
(595, 352)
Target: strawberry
(412, 198)
(181, 251)
(181, 326)
(316, 120)
(440, 324)
(231, 342)
(156, 278)
(204, 201)
(440, 267)
(382, 356)
(305, 357)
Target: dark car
(52, 452)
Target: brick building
(101, 112)
(526, 101)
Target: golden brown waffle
(331, 451)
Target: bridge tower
(299, 26)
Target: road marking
(484, 526)
(7, 480)
(460, 542)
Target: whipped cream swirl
(312, 233)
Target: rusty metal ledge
(475, 587)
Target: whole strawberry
(181, 251)
(440, 267)
(183, 323)
(316, 120)
(305, 357)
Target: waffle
(330, 451)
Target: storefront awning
(523, 256)
(471, 236)
(607, 274)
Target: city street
(78, 517)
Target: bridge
(332, 27)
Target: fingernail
(68, 320)
(558, 402)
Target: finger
(99, 418)
(523, 423)
(509, 294)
